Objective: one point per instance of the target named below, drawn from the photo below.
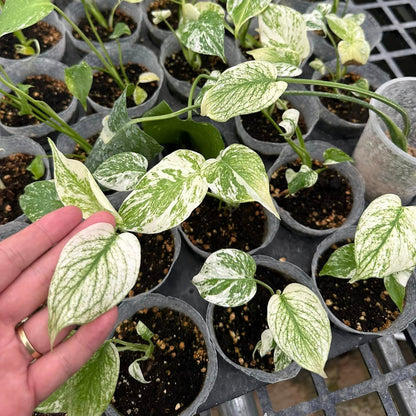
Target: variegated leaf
(385, 238)
(242, 89)
(121, 172)
(227, 278)
(333, 156)
(205, 35)
(284, 25)
(202, 6)
(160, 15)
(167, 194)
(316, 20)
(289, 121)
(341, 263)
(280, 359)
(19, 14)
(304, 178)
(238, 175)
(300, 327)
(89, 391)
(136, 372)
(95, 271)
(243, 10)
(266, 343)
(76, 186)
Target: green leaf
(284, 25)
(120, 30)
(385, 238)
(242, 89)
(95, 271)
(119, 136)
(37, 167)
(204, 138)
(89, 391)
(333, 156)
(139, 95)
(227, 278)
(300, 327)
(166, 195)
(136, 372)
(243, 10)
(341, 263)
(238, 175)
(40, 198)
(19, 14)
(78, 79)
(304, 178)
(396, 291)
(75, 185)
(121, 172)
(205, 35)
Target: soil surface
(44, 88)
(211, 227)
(173, 19)
(239, 329)
(47, 36)
(176, 370)
(105, 91)
(351, 112)
(119, 17)
(325, 205)
(156, 258)
(258, 126)
(15, 177)
(364, 305)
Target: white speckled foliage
(300, 326)
(95, 271)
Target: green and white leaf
(334, 155)
(242, 89)
(280, 359)
(385, 238)
(121, 172)
(89, 391)
(143, 331)
(160, 16)
(167, 194)
(78, 79)
(300, 327)
(284, 25)
(75, 185)
(207, 86)
(136, 372)
(227, 278)
(243, 10)
(304, 178)
(290, 119)
(395, 289)
(266, 343)
(146, 77)
(341, 263)
(95, 271)
(316, 20)
(40, 198)
(318, 66)
(205, 35)
(19, 14)
(238, 175)
(207, 5)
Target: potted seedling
(380, 248)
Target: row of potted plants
(173, 193)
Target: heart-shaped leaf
(304, 178)
(334, 155)
(89, 391)
(78, 79)
(341, 263)
(238, 175)
(166, 195)
(242, 89)
(95, 271)
(227, 278)
(300, 327)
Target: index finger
(23, 248)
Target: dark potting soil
(258, 126)
(173, 19)
(156, 258)
(105, 91)
(15, 177)
(211, 227)
(364, 305)
(179, 68)
(325, 205)
(351, 112)
(239, 329)
(44, 33)
(176, 370)
(44, 88)
(119, 17)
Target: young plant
(383, 247)
(200, 30)
(299, 328)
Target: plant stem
(163, 116)
(265, 285)
(192, 91)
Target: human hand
(27, 263)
